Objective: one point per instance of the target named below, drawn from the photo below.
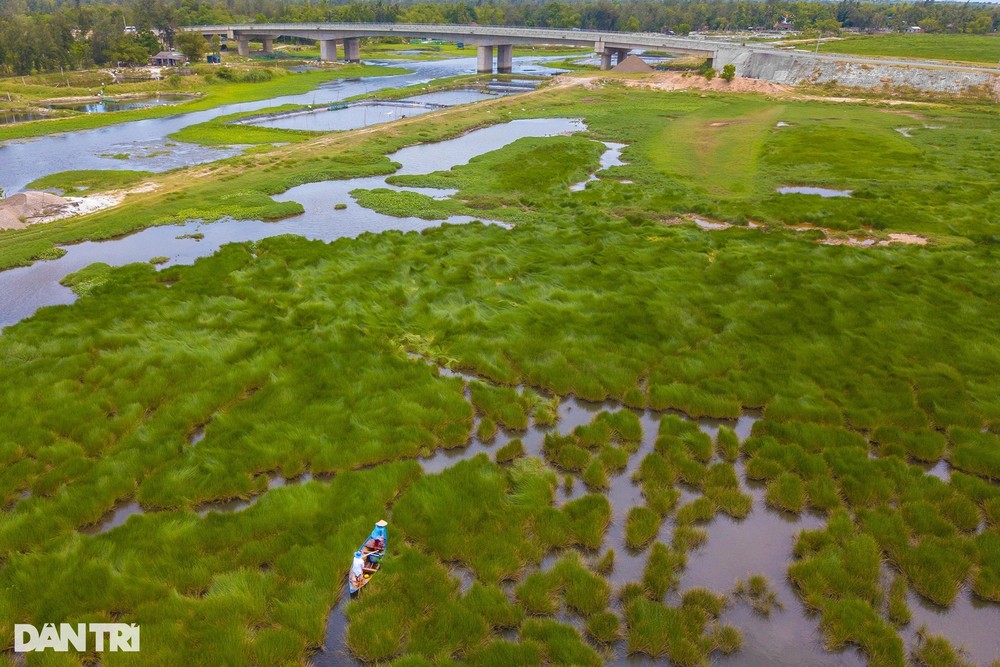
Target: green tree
(489, 15)
(192, 44)
(631, 24)
(729, 72)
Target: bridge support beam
(268, 45)
(484, 60)
(620, 56)
(328, 49)
(606, 58)
(352, 49)
(505, 58)
(243, 46)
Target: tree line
(48, 35)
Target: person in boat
(357, 570)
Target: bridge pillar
(328, 49)
(243, 46)
(505, 58)
(606, 58)
(484, 60)
(352, 49)
(620, 56)
(268, 45)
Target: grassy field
(980, 49)
(295, 356)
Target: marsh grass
(786, 492)
(87, 181)
(560, 643)
(898, 610)
(756, 591)
(641, 526)
(936, 651)
(603, 627)
(686, 634)
(512, 450)
(505, 405)
(662, 571)
(102, 395)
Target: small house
(168, 59)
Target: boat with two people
(368, 559)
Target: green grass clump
(546, 412)
(606, 564)
(697, 443)
(595, 476)
(641, 526)
(786, 492)
(699, 510)
(686, 634)
(727, 444)
(986, 582)
(512, 450)
(477, 514)
(922, 445)
(851, 620)
(657, 477)
(564, 453)
(588, 519)
(560, 643)
(899, 611)
(486, 430)
(88, 279)
(603, 627)
(504, 405)
(937, 651)
(88, 180)
(615, 459)
(500, 652)
(686, 538)
(757, 592)
(975, 452)
(159, 259)
(837, 573)
(662, 571)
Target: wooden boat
(368, 559)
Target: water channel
(25, 289)
(27, 160)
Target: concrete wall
(798, 68)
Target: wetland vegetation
(286, 356)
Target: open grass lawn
(292, 356)
(982, 49)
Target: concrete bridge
(610, 45)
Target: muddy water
(25, 289)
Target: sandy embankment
(31, 208)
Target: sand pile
(632, 63)
(25, 208)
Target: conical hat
(382, 523)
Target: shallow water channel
(761, 543)
(25, 289)
(146, 143)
